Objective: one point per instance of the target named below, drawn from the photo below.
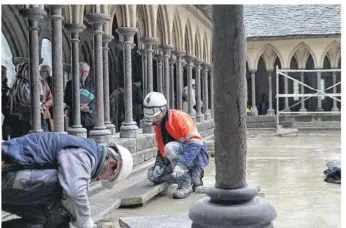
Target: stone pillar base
(77, 131)
(110, 127)
(270, 112)
(100, 135)
(236, 208)
(336, 109)
(193, 117)
(129, 130)
(254, 111)
(319, 110)
(303, 110)
(200, 118)
(207, 116)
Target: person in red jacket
(182, 153)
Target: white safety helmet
(125, 165)
(153, 104)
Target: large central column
(57, 67)
(199, 115)
(211, 91)
(76, 128)
(129, 127)
(335, 106)
(270, 110)
(166, 49)
(100, 133)
(179, 79)
(190, 59)
(172, 61)
(34, 14)
(159, 66)
(302, 105)
(231, 203)
(206, 113)
(106, 39)
(149, 42)
(254, 110)
(319, 99)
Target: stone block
(141, 193)
(166, 221)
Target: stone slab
(166, 221)
(141, 193)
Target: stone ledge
(141, 193)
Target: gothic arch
(177, 32)
(162, 24)
(269, 53)
(188, 38)
(302, 56)
(331, 53)
(198, 44)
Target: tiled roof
(289, 20)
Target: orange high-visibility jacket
(181, 127)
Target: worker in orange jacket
(182, 153)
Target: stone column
(172, 61)
(106, 39)
(302, 105)
(211, 91)
(129, 127)
(149, 42)
(199, 115)
(100, 133)
(335, 106)
(206, 113)
(33, 16)
(166, 49)
(179, 79)
(57, 67)
(254, 110)
(270, 111)
(231, 202)
(190, 59)
(286, 92)
(144, 71)
(76, 128)
(319, 99)
(159, 65)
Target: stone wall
(143, 148)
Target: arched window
(6, 60)
(46, 52)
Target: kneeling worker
(182, 154)
(45, 178)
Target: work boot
(197, 176)
(184, 186)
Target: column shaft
(206, 113)
(76, 128)
(179, 79)
(190, 59)
(302, 105)
(99, 132)
(57, 68)
(149, 42)
(171, 78)
(254, 110)
(159, 65)
(270, 110)
(166, 49)
(319, 100)
(211, 92)
(108, 123)
(286, 92)
(199, 115)
(335, 106)
(129, 127)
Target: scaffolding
(306, 96)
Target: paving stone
(166, 221)
(141, 193)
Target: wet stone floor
(289, 171)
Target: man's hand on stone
(158, 171)
(178, 171)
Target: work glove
(158, 171)
(178, 171)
